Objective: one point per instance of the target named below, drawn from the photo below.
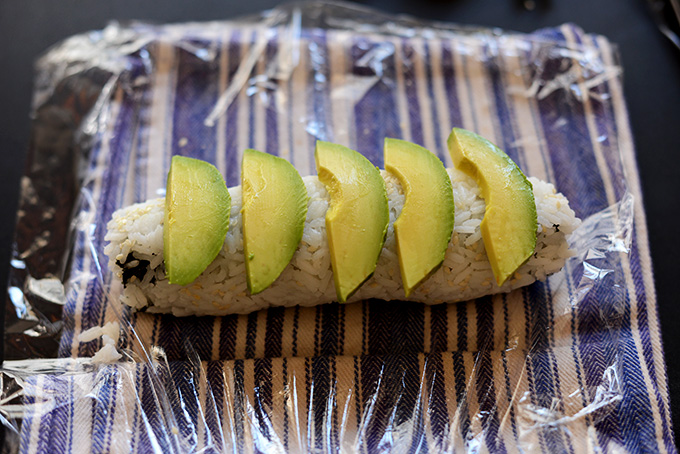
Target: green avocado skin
(197, 207)
(358, 216)
(510, 221)
(274, 210)
(424, 226)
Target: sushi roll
(135, 251)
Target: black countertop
(651, 67)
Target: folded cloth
(572, 364)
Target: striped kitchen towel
(573, 364)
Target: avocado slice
(357, 219)
(509, 224)
(424, 227)
(197, 207)
(274, 212)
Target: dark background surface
(651, 82)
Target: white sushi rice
(109, 333)
(135, 236)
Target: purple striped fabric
(573, 364)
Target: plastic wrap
(554, 367)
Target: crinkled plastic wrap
(559, 366)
